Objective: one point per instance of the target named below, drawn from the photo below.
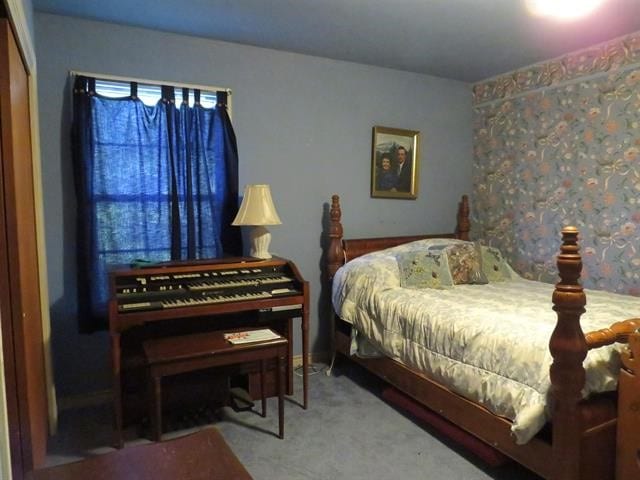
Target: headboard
(343, 250)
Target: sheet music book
(249, 336)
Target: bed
(569, 432)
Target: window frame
(144, 81)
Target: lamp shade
(257, 207)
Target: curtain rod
(149, 82)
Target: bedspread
(488, 343)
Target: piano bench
(187, 353)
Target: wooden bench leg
(263, 371)
(117, 390)
(155, 397)
(280, 368)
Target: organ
(171, 293)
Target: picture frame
(395, 163)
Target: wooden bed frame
(580, 441)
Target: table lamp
(257, 210)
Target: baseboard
(93, 399)
(317, 357)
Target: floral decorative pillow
(493, 265)
(464, 264)
(423, 270)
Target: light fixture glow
(562, 9)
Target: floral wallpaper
(605, 57)
(563, 154)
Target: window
(155, 181)
(147, 93)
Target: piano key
(195, 301)
(279, 291)
(281, 308)
(128, 307)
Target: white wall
(303, 125)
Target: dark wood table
(187, 353)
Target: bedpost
(463, 227)
(335, 254)
(568, 349)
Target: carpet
(485, 452)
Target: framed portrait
(395, 163)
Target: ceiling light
(562, 9)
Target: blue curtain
(152, 182)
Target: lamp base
(260, 239)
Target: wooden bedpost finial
(335, 253)
(568, 349)
(335, 213)
(569, 260)
(464, 225)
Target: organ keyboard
(140, 290)
(273, 288)
(182, 289)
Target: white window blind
(150, 94)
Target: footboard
(577, 445)
(628, 435)
(628, 422)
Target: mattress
(488, 343)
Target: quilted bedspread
(488, 343)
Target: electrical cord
(313, 369)
(330, 369)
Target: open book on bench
(250, 336)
